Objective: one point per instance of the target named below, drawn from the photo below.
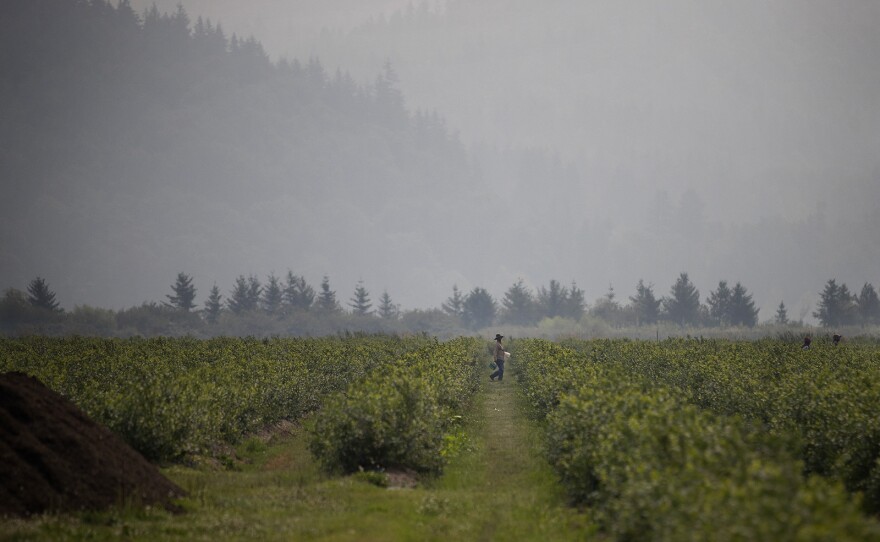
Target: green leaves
(627, 436)
(172, 397)
(398, 416)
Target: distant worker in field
(500, 356)
(836, 339)
(807, 341)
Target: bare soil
(54, 458)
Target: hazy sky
(760, 107)
(748, 121)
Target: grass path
(513, 489)
(498, 487)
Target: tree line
(290, 305)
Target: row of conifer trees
(278, 297)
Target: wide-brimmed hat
(498, 336)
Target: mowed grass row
(653, 466)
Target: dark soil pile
(54, 458)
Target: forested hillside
(138, 144)
(149, 142)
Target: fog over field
(600, 142)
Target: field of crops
(712, 439)
(169, 398)
(672, 440)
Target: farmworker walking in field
(500, 355)
(806, 345)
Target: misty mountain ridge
(134, 149)
(148, 146)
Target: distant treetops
(725, 306)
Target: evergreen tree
(645, 305)
(552, 300)
(574, 305)
(245, 295)
(273, 296)
(683, 304)
(719, 303)
(298, 294)
(389, 99)
(254, 293)
(518, 306)
(387, 309)
(869, 305)
(742, 310)
(213, 305)
(849, 306)
(239, 300)
(608, 309)
(327, 298)
(479, 309)
(781, 314)
(836, 305)
(184, 293)
(360, 303)
(39, 295)
(454, 305)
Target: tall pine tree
(719, 302)
(552, 300)
(387, 309)
(479, 309)
(518, 306)
(272, 296)
(645, 305)
(213, 305)
(360, 303)
(683, 304)
(742, 310)
(836, 305)
(245, 295)
(298, 294)
(454, 305)
(184, 293)
(781, 317)
(40, 296)
(327, 298)
(869, 305)
(574, 304)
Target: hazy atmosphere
(417, 146)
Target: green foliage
(184, 293)
(213, 305)
(172, 397)
(360, 302)
(837, 306)
(478, 309)
(781, 316)
(683, 304)
(628, 437)
(388, 310)
(519, 306)
(398, 417)
(40, 296)
(454, 304)
(272, 296)
(376, 478)
(298, 294)
(327, 298)
(645, 305)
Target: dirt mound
(54, 458)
